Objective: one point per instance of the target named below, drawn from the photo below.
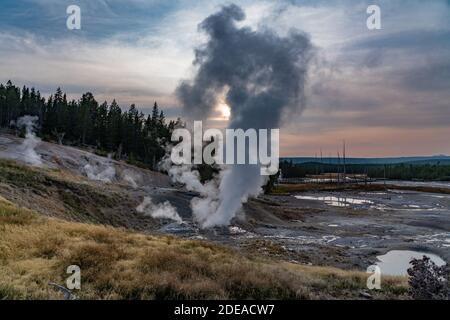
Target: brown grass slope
(60, 194)
(119, 264)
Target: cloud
(110, 68)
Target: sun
(224, 109)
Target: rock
(365, 295)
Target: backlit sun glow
(224, 109)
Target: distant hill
(440, 159)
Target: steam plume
(130, 177)
(162, 210)
(27, 150)
(263, 76)
(100, 173)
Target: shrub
(428, 281)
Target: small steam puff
(130, 177)
(26, 150)
(159, 211)
(98, 173)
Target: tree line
(401, 171)
(128, 134)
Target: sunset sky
(386, 92)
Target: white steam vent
(27, 150)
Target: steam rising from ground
(26, 150)
(263, 76)
(104, 172)
(130, 177)
(202, 206)
(159, 211)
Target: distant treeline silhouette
(128, 134)
(402, 171)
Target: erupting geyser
(263, 75)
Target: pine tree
(84, 122)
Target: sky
(386, 92)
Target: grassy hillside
(118, 264)
(60, 194)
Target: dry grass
(117, 264)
